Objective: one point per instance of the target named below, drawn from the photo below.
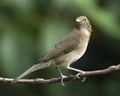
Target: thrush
(68, 50)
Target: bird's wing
(67, 44)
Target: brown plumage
(69, 49)
(64, 46)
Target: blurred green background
(28, 28)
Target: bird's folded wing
(66, 45)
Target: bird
(66, 51)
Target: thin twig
(66, 79)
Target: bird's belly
(67, 59)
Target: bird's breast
(74, 55)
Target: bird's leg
(62, 76)
(77, 70)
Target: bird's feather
(64, 46)
(32, 69)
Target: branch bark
(66, 79)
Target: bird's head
(83, 21)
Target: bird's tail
(32, 69)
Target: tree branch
(66, 79)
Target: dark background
(28, 28)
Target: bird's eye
(85, 19)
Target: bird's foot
(62, 80)
(83, 79)
(80, 73)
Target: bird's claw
(80, 73)
(78, 76)
(83, 79)
(62, 80)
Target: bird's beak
(77, 20)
